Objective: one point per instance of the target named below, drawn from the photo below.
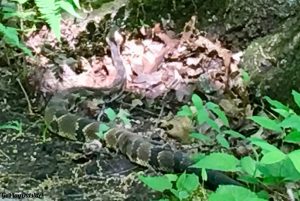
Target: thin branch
(26, 97)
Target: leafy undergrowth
(267, 171)
(270, 170)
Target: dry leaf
(179, 127)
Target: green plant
(11, 37)
(14, 10)
(273, 165)
(234, 193)
(287, 123)
(13, 13)
(268, 165)
(246, 77)
(181, 187)
(113, 116)
(201, 113)
(51, 12)
(14, 125)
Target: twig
(140, 109)
(162, 109)
(4, 154)
(26, 96)
(35, 123)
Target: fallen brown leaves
(155, 62)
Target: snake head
(114, 36)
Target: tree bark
(273, 62)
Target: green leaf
(187, 182)
(185, 111)
(25, 49)
(263, 194)
(158, 183)
(245, 77)
(249, 179)
(197, 156)
(171, 177)
(263, 144)
(266, 123)
(249, 166)
(29, 15)
(50, 11)
(278, 107)
(225, 162)
(293, 137)
(233, 193)
(295, 156)
(272, 180)
(197, 101)
(111, 114)
(14, 125)
(276, 104)
(77, 4)
(175, 192)
(10, 35)
(283, 170)
(296, 96)
(202, 116)
(291, 122)
(272, 157)
(222, 141)
(123, 115)
(234, 134)
(200, 136)
(213, 124)
(282, 112)
(8, 15)
(216, 109)
(183, 195)
(68, 7)
(102, 128)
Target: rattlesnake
(138, 149)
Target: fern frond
(50, 12)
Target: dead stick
(26, 97)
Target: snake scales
(138, 149)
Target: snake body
(138, 149)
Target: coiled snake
(138, 149)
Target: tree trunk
(273, 62)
